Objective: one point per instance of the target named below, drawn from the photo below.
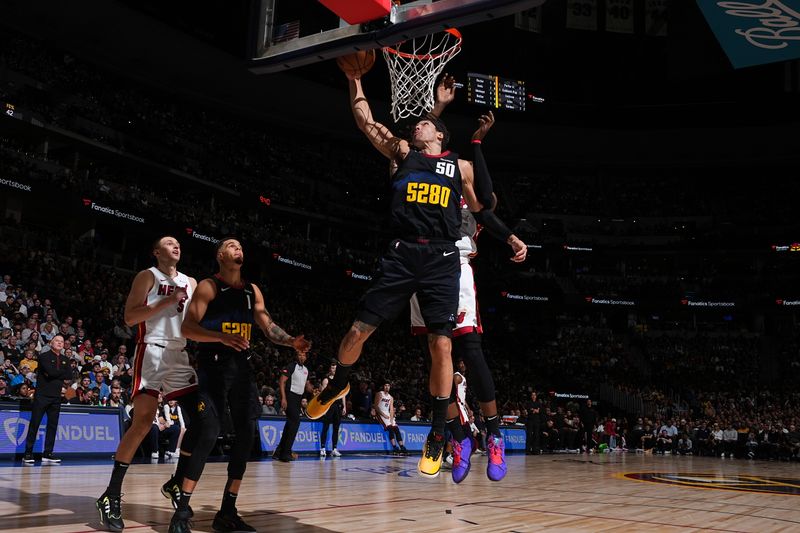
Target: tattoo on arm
(278, 336)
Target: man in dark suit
(534, 425)
(53, 370)
(588, 421)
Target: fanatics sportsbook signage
(757, 31)
(16, 185)
(112, 211)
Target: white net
(414, 66)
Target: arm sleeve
(493, 224)
(483, 180)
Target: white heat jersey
(461, 398)
(164, 327)
(467, 247)
(384, 411)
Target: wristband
(476, 141)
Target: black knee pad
(207, 430)
(468, 347)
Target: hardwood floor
(370, 494)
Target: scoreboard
(496, 92)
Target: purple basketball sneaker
(497, 459)
(461, 454)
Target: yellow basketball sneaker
(431, 460)
(320, 403)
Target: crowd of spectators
(45, 292)
(747, 425)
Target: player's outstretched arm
(191, 328)
(484, 188)
(379, 135)
(445, 94)
(273, 331)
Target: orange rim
(427, 57)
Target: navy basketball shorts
(429, 268)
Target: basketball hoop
(414, 66)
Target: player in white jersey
(383, 410)
(460, 384)
(157, 303)
(468, 320)
(466, 334)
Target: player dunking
(425, 216)
(383, 410)
(466, 335)
(221, 318)
(157, 303)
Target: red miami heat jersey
(164, 327)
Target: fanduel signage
(755, 32)
(77, 432)
(353, 437)
(361, 437)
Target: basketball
(356, 64)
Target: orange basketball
(356, 64)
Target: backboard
(291, 34)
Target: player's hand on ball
(446, 89)
(356, 64)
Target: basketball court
(369, 493)
(611, 492)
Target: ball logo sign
(344, 436)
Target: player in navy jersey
(427, 188)
(221, 317)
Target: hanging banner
(757, 31)
(582, 14)
(655, 17)
(619, 16)
(529, 20)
